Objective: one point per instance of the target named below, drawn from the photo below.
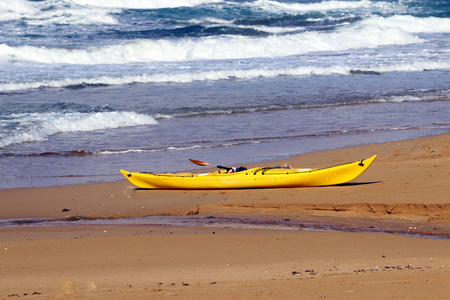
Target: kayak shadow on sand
(358, 183)
(342, 184)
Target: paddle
(205, 164)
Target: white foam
(145, 4)
(365, 34)
(74, 16)
(401, 99)
(17, 9)
(415, 66)
(319, 6)
(109, 152)
(40, 126)
(268, 29)
(226, 75)
(54, 12)
(324, 6)
(408, 98)
(410, 24)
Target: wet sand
(406, 188)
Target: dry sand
(406, 188)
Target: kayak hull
(251, 178)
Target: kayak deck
(251, 178)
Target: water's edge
(222, 222)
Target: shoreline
(286, 157)
(405, 188)
(389, 182)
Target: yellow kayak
(251, 178)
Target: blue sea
(88, 87)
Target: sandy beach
(406, 189)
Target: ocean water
(90, 87)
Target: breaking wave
(55, 12)
(32, 127)
(279, 7)
(146, 4)
(371, 33)
(200, 76)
